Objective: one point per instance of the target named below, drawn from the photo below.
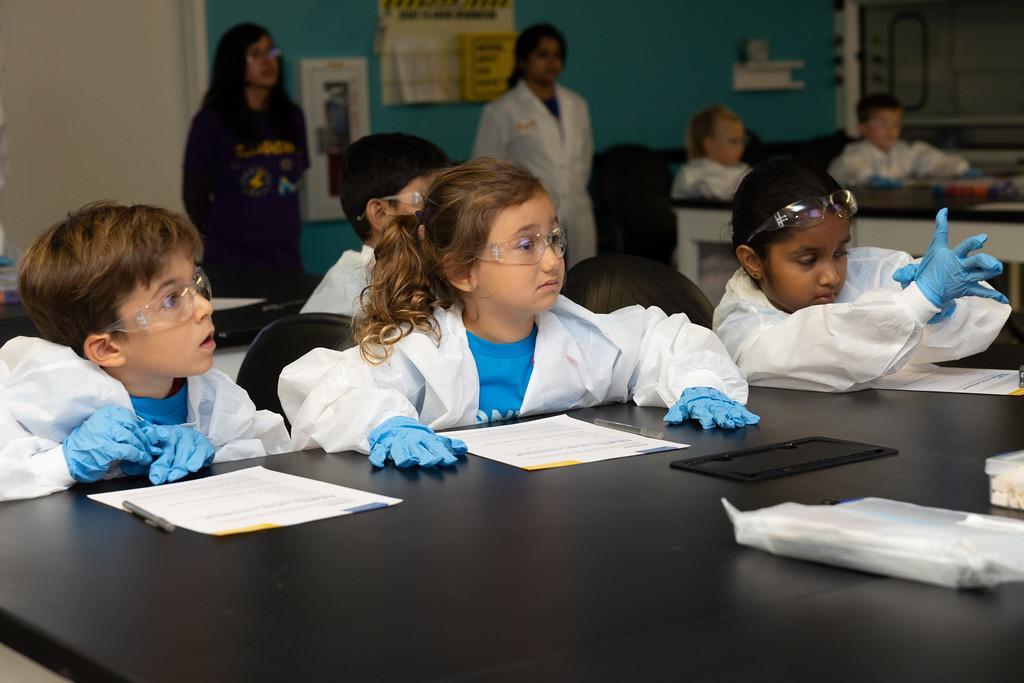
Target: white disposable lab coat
(343, 284)
(708, 179)
(48, 391)
(874, 328)
(517, 126)
(334, 399)
(861, 160)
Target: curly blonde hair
(417, 255)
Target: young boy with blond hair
(121, 381)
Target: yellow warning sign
(487, 60)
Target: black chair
(283, 341)
(819, 152)
(607, 283)
(632, 204)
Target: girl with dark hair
(463, 322)
(807, 311)
(546, 128)
(245, 155)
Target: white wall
(98, 96)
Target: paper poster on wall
(418, 44)
(335, 99)
(487, 60)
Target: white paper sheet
(224, 303)
(557, 442)
(952, 380)
(251, 499)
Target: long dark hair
(528, 41)
(227, 88)
(766, 189)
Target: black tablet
(782, 459)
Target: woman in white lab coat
(806, 311)
(546, 128)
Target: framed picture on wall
(335, 99)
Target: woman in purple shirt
(246, 152)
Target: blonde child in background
(715, 140)
(881, 160)
(463, 323)
(121, 381)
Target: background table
(618, 570)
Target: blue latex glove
(973, 173)
(879, 182)
(111, 435)
(945, 274)
(711, 408)
(185, 450)
(906, 275)
(409, 443)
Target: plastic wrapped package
(932, 545)
(1006, 480)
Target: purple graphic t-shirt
(254, 218)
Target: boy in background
(881, 160)
(121, 381)
(381, 176)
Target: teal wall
(642, 73)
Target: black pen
(147, 516)
(632, 429)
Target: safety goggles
(273, 52)
(414, 199)
(807, 213)
(526, 250)
(168, 310)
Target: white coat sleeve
(834, 347)
(492, 134)
(974, 325)
(929, 162)
(333, 399)
(30, 466)
(681, 188)
(265, 435)
(226, 415)
(672, 354)
(854, 166)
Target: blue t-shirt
(172, 410)
(504, 371)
